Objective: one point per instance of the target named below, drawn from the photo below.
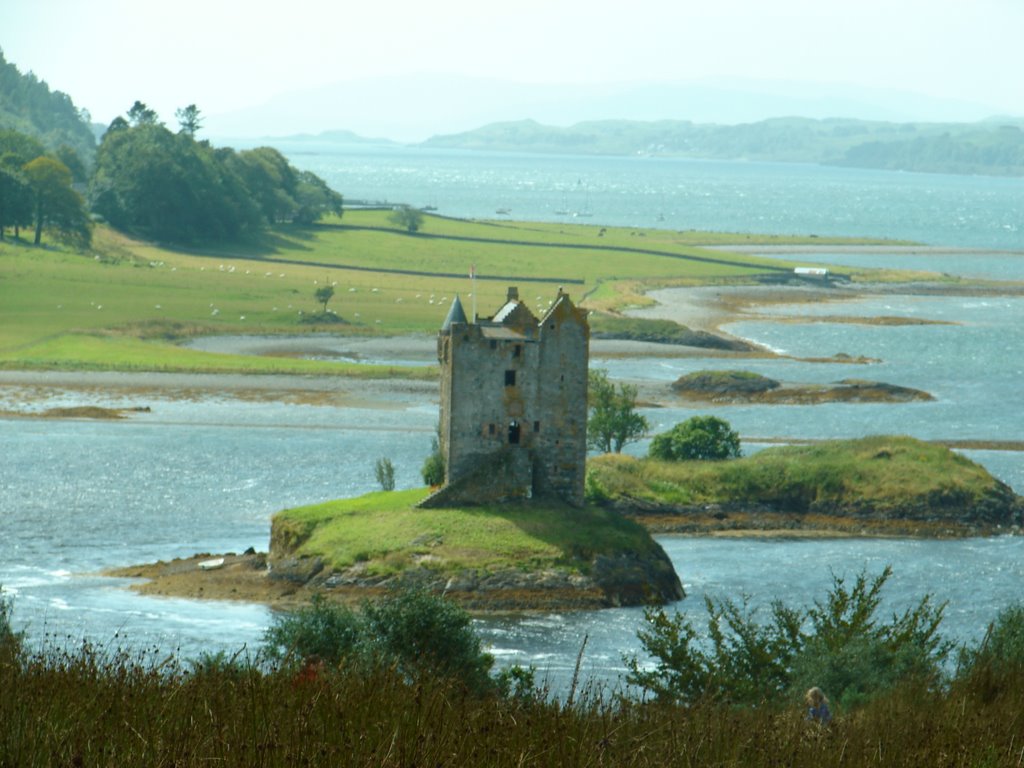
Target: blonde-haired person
(817, 706)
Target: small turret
(456, 314)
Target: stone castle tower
(513, 403)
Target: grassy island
(536, 554)
(747, 387)
(528, 556)
(880, 485)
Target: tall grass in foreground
(90, 706)
(84, 708)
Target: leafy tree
(140, 114)
(169, 187)
(70, 158)
(324, 294)
(28, 106)
(314, 199)
(407, 217)
(384, 470)
(18, 148)
(189, 119)
(849, 652)
(272, 182)
(613, 421)
(15, 200)
(55, 203)
(699, 437)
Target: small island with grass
(873, 486)
(747, 387)
(508, 557)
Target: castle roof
(503, 332)
(456, 314)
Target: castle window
(490, 429)
(536, 426)
(494, 344)
(513, 433)
(510, 378)
(517, 350)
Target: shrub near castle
(699, 437)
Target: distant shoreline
(702, 308)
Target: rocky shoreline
(285, 582)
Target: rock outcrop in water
(746, 387)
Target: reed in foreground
(81, 709)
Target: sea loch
(77, 497)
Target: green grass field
(385, 531)
(127, 305)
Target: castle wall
(561, 445)
(493, 386)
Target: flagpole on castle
(472, 289)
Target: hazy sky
(224, 56)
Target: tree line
(172, 187)
(28, 106)
(153, 182)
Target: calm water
(782, 198)
(78, 496)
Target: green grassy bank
(127, 305)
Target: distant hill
(28, 105)
(412, 108)
(993, 147)
(335, 137)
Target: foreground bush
(838, 644)
(413, 632)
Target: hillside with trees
(174, 188)
(144, 178)
(27, 105)
(992, 147)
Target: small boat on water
(211, 565)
